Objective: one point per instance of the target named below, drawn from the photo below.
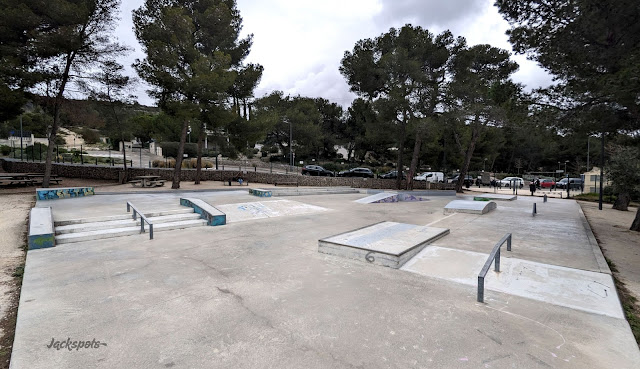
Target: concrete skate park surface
(257, 294)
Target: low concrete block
(63, 193)
(388, 244)
(41, 233)
(213, 216)
(469, 207)
(260, 192)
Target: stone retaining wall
(112, 173)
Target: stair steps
(95, 228)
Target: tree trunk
(199, 160)
(176, 172)
(56, 119)
(124, 157)
(400, 164)
(414, 160)
(622, 202)
(475, 133)
(635, 226)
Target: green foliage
(592, 49)
(170, 149)
(624, 168)
(90, 136)
(5, 150)
(280, 115)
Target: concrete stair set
(87, 229)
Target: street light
(484, 165)
(567, 174)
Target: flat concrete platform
(578, 289)
(388, 243)
(495, 196)
(469, 207)
(257, 294)
(266, 209)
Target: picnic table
(147, 181)
(28, 179)
(16, 178)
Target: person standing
(532, 187)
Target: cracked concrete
(257, 294)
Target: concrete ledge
(495, 196)
(41, 233)
(388, 244)
(597, 252)
(213, 216)
(260, 192)
(469, 207)
(63, 193)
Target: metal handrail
(142, 219)
(495, 255)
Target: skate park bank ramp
(387, 197)
(387, 243)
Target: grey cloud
(429, 13)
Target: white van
(432, 177)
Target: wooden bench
(286, 184)
(28, 182)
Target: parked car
(357, 172)
(547, 183)
(468, 180)
(392, 175)
(430, 177)
(506, 182)
(574, 183)
(316, 170)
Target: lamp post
(290, 144)
(567, 174)
(484, 165)
(588, 149)
(21, 137)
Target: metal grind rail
(495, 255)
(143, 219)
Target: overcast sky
(300, 42)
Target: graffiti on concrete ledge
(63, 193)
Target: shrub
(5, 150)
(90, 136)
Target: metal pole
(290, 140)
(601, 168)
(509, 242)
(140, 154)
(480, 289)
(151, 231)
(588, 149)
(21, 138)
